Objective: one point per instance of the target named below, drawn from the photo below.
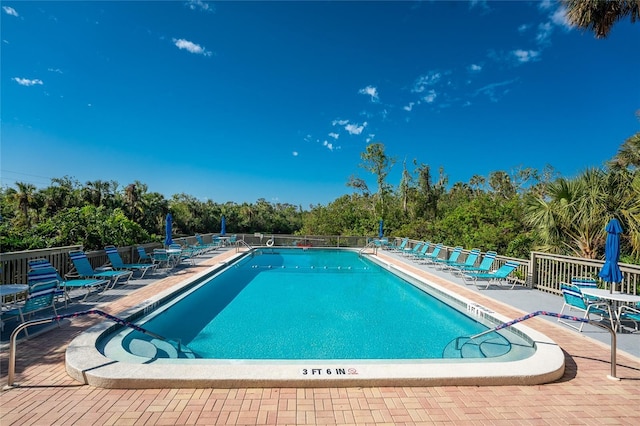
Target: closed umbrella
(223, 226)
(168, 229)
(381, 229)
(610, 271)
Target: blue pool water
(311, 304)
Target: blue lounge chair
(498, 276)
(400, 247)
(453, 258)
(485, 265)
(208, 247)
(143, 257)
(574, 300)
(161, 258)
(118, 264)
(469, 262)
(84, 269)
(41, 270)
(41, 296)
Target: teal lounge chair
(422, 251)
(485, 265)
(401, 247)
(498, 276)
(83, 269)
(429, 257)
(41, 296)
(408, 252)
(469, 262)
(118, 264)
(41, 270)
(143, 257)
(629, 314)
(574, 300)
(453, 258)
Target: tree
(599, 16)
(628, 155)
(25, 198)
(375, 161)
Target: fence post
(533, 270)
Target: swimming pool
(288, 316)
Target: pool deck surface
(46, 395)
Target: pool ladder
(14, 335)
(372, 245)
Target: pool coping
(86, 364)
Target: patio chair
(586, 282)
(161, 258)
(422, 252)
(408, 252)
(453, 258)
(398, 247)
(629, 313)
(574, 300)
(83, 269)
(469, 262)
(498, 276)
(485, 265)
(41, 270)
(143, 257)
(118, 264)
(184, 254)
(429, 257)
(206, 246)
(41, 296)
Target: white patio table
(616, 300)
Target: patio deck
(46, 395)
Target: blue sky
(236, 101)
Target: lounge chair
(453, 258)
(41, 270)
(485, 265)
(84, 269)
(629, 313)
(208, 247)
(143, 257)
(41, 296)
(409, 252)
(184, 253)
(468, 263)
(498, 276)
(422, 251)
(429, 257)
(161, 258)
(574, 300)
(586, 282)
(118, 264)
(400, 247)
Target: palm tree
(599, 16)
(24, 197)
(628, 155)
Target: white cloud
(559, 17)
(57, 70)
(475, 68)
(524, 56)
(422, 82)
(409, 107)
(545, 4)
(334, 135)
(491, 90)
(339, 122)
(200, 5)
(430, 97)
(294, 153)
(544, 33)
(27, 82)
(191, 47)
(355, 129)
(10, 11)
(328, 145)
(371, 91)
(522, 28)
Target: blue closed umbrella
(381, 229)
(610, 271)
(223, 226)
(168, 229)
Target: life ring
(270, 242)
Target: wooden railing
(542, 271)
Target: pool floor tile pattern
(46, 395)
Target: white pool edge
(87, 365)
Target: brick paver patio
(46, 395)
